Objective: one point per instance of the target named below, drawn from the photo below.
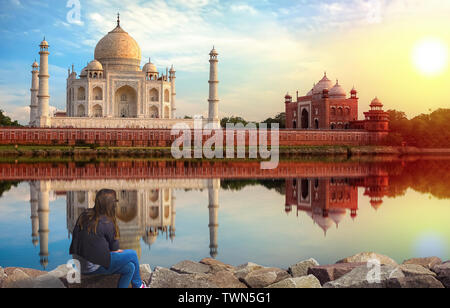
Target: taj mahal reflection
(147, 207)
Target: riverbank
(364, 270)
(87, 152)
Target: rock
(265, 277)
(243, 270)
(190, 267)
(146, 272)
(363, 277)
(425, 262)
(60, 272)
(332, 272)
(415, 270)
(366, 256)
(443, 273)
(225, 279)
(217, 266)
(304, 282)
(2, 276)
(415, 282)
(95, 282)
(33, 273)
(17, 279)
(48, 282)
(301, 269)
(165, 278)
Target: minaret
(43, 212)
(213, 196)
(34, 92)
(174, 92)
(213, 115)
(172, 228)
(34, 196)
(43, 96)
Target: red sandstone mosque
(327, 107)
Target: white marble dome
(337, 91)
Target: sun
(430, 56)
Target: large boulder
(364, 277)
(332, 272)
(17, 279)
(166, 278)
(368, 256)
(414, 282)
(190, 267)
(443, 273)
(146, 272)
(225, 280)
(48, 282)
(2, 276)
(425, 262)
(304, 282)
(301, 269)
(415, 270)
(217, 266)
(243, 270)
(95, 282)
(265, 277)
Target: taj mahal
(112, 91)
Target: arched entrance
(98, 111)
(80, 111)
(316, 124)
(125, 102)
(305, 119)
(154, 114)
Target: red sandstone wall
(163, 138)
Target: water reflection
(147, 193)
(146, 208)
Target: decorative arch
(125, 103)
(127, 207)
(166, 96)
(154, 95)
(97, 110)
(305, 119)
(154, 212)
(98, 93)
(166, 112)
(316, 123)
(154, 112)
(81, 111)
(81, 94)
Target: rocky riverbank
(358, 271)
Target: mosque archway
(81, 94)
(154, 95)
(154, 114)
(98, 94)
(127, 207)
(305, 119)
(166, 112)
(126, 102)
(81, 111)
(166, 96)
(97, 111)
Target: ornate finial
(118, 19)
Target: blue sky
(267, 47)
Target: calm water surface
(169, 212)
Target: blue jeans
(126, 264)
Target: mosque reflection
(328, 200)
(147, 207)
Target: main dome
(118, 50)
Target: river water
(232, 211)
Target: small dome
(150, 68)
(324, 83)
(94, 65)
(83, 72)
(35, 65)
(44, 43)
(376, 103)
(353, 91)
(337, 91)
(288, 96)
(213, 52)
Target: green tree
(6, 121)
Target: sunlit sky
(267, 48)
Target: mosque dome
(149, 68)
(35, 65)
(44, 43)
(84, 72)
(94, 65)
(376, 103)
(324, 83)
(337, 91)
(119, 50)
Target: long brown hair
(105, 205)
